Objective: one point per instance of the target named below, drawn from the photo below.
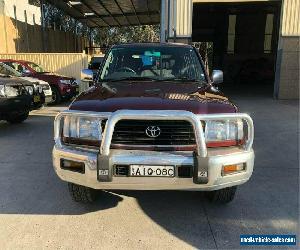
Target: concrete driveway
(36, 211)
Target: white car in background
(45, 86)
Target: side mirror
(217, 77)
(87, 75)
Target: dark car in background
(95, 62)
(15, 101)
(88, 75)
(39, 85)
(63, 87)
(35, 89)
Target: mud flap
(200, 169)
(104, 168)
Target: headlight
(224, 131)
(83, 128)
(65, 82)
(11, 91)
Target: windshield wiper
(131, 78)
(182, 79)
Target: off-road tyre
(82, 194)
(222, 196)
(56, 96)
(17, 118)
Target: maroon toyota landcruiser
(153, 121)
(62, 87)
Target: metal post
(90, 38)
(27, 35)
(44, 41)
(163, 22)
(16, 27)
(174, 31)
(75, 36)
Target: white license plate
(156, 171)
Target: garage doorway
(245, 39)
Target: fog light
(72, 166)
(234, 168)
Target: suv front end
(203, 169)
(153, 121)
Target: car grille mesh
(45, 87)
(172, 133)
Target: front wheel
(223, 196)
(56, 96)
(18, 118)
(82, 194)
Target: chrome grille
(172, 133)
(45, 87)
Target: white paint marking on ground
(48, 111)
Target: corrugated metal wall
(180, 17)
(68, 64)
(184, 18)
(291, 18)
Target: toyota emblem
(153, 131)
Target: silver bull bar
(151, 115)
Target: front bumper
(99, 164)
(215, 161)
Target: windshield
(96, 63)
(36, 67)
(152, 62)
(8, 71)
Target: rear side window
(16, 66)
(4, 71)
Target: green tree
(56, 18)
(113, 35)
